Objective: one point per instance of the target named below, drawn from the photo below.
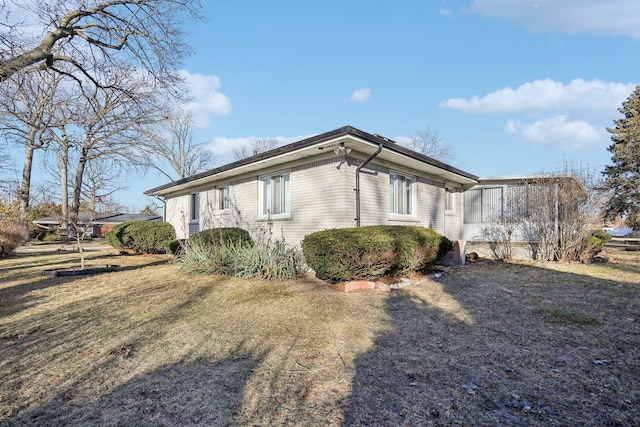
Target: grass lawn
(516, 344)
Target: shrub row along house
(341, 178)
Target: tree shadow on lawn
(198, 392)
(28, 261)
(73, 359)
(475, 348)
(14, 299)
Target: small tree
(500, 233)
(78, 231)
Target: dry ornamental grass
(518, 344)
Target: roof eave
(257, 162)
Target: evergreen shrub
(368, 253)
(142, 236)
(594, 243)
(115, 236)
(175, 246)
(222, 235)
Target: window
(194, 207)
(401, 194)
(276, 195)
(223, 198)
(450, 200)
(482, 205)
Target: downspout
(358, 182)
(444, 211)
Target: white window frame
(281, 182)
(487, 207)
(449, 200)
(223, 202)
(194, 207)
(408, 201)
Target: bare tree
(58, 138)
(554, 212)
(5, 167)
(102, 177)
(109, 204)
(26, 102)
(150, 210)
(240, 152)
(171, 149)
(258, 145)
(90, 35)
(562, 208)
(428, 142)
(110, 124)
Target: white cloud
(560, 132)
(590, 97)
(611, 17)
(361, 95)
(565, 114)
(206, 100)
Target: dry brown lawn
(511, 344)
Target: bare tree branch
(428, 142)
(258, 145)
(171, 150)
(92, 35)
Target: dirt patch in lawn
(492, 344)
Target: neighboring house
(96, 224)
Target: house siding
(177, 214)
(243, 206)
(322, 196)
(319, 199)
(429, 201)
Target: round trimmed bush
(115, 236)
(368, 253)
(142, 236)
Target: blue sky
(515, 86)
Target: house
(341, 178)
(98, 224)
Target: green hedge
(142, 236)
(595, 243)
(222, 235)
(368, 253)
(114, 237)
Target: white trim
(450, 195)
(194, 208)
(413, 188)
(219, 202)
(287, 194)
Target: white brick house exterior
(338, 179)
